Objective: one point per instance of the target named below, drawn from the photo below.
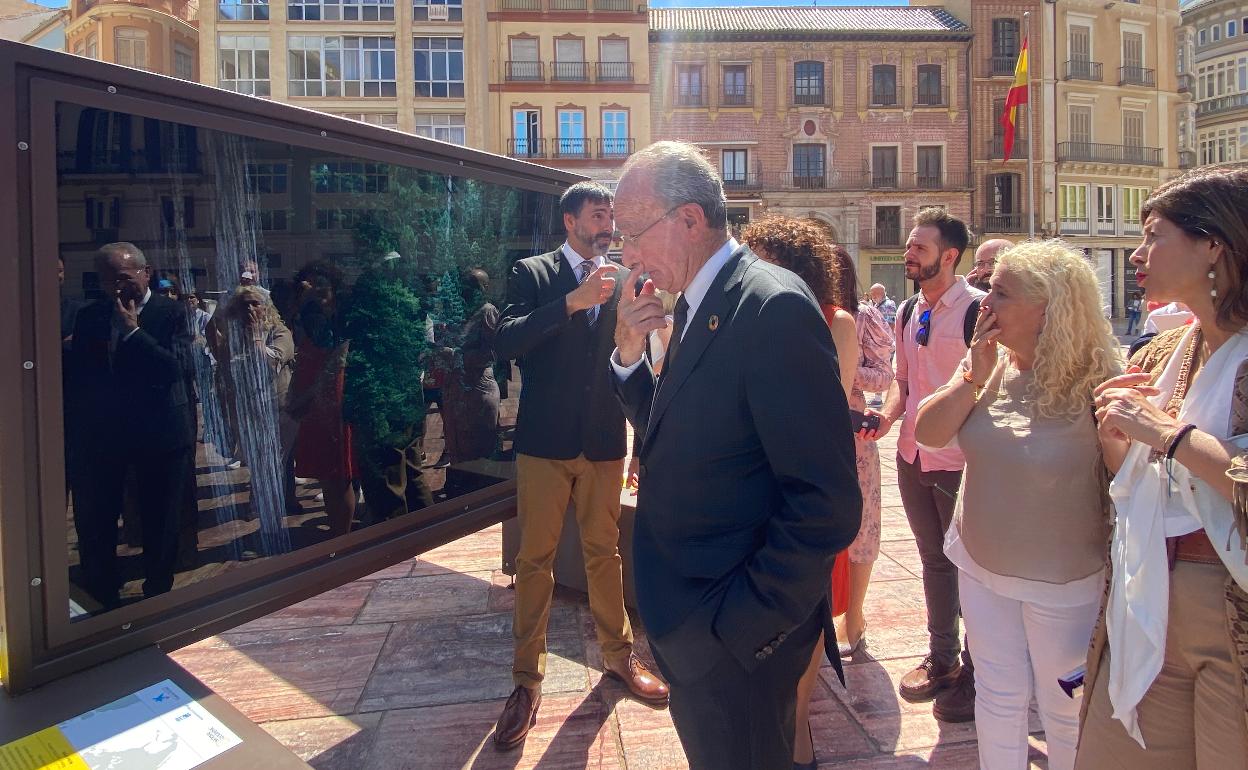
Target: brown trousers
(543, 489)
(1193, 715)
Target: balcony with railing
(783, 181)
(810, 97)
(616, 147)
(1187, 159)
(931, 97)
(614, 71)
(560, 6)
(918, 180)
(1096, 152)
(877, 238)
(574, 71)
(1004, 222)
(1001, 66)
(996, 148)
(740, 183)
(1137, 76)
(571, 148)
(614, 6)
(526, 148)
(525, 71)
(1222, 104)
(568, 5)
(690, 97)
(1187, 82)
(736, 95)
(520, 5)
(884, 98)
(1082, 69)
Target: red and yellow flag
(1017, 96)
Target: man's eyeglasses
(925, 327)
(626, 240)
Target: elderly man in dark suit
(747, 485)
(570, 446)
(128, 368)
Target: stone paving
(409, 668)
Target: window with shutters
(808, 165)
(1003, 193)
(930, 89)
(1132, 50)
(613, 62)
(130, 47)
(1081, 125)
(1005, 39)
(930, 161)
(570, 61)
(1133, 136)
(888, 225)
(883, 85)
(524, 63)
(884, 167)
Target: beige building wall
(399, 111)
(1213, 70)
(548, 86)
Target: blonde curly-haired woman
(1030, 530)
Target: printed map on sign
(157, 728)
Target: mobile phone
(862, 421)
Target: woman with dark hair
(801, 246)
(323, 446)
(1169, 663)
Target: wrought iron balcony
(525, 70)
(999, 66)
(615, 71)
(1095, 152)
(884, 98)
(1082, 69)
(574, 148)
(1222, 104)
(736, 95)
(929, 97)
(1187, 82)
(568, 5)
(622, 6)
(570, 71)
(742, 183)
(809, 96)
(1006, 222)
(996, 148)
(691, 97)
(616, 148)
(875, 238)
(526, 148)
(520, 5)
(1187, 159)
(1137, 76)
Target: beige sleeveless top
(1032, 504)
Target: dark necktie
(587, 269)
(679, 318)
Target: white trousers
(1021, 648)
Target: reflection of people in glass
(465, 365)
(384, 402)
(127, 377)
(254, 351)
(323, 448)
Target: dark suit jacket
(140, 398)
(748, 483)
(567, 396)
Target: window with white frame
(1215, 33)
(446, 127)
(735, 167)
(340, 10)
(387, 119)
(243, 10)
(1080, 124)
(244, 64)
(1072, 203)
(1105, 205)
(1232, 28)
(439, 67)
(571, 139)
(183, 62)
(437, 10)
(351, 177)
(130, 47)
(526, 133)
(341, 65)
(1203, 37)
(615, 138)
(1132, 201)
(93, 46)
(1243, 74)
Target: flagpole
(1031, 187)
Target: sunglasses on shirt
(925, 327)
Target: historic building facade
(155, 35)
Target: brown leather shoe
(929, 678)
(518, 716)
(644, 685)
(957, 703)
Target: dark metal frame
(39, 643)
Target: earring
(1213, 288)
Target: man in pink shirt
(931, 341)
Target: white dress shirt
(575, 259)
(694, 293)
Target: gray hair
(681, 174)
(122, 249)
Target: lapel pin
(712, 323)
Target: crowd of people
(1081, 518)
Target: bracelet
(966, 377)
(1172, 442)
